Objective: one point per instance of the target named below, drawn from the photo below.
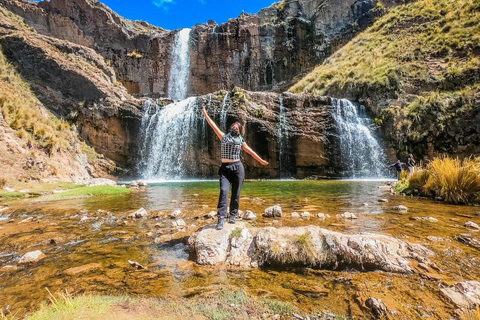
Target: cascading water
(282, 139)
(180, 69)
(224, 112)
(168, 136)
(361, 154)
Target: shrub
(455, 180)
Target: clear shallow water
(81, 235)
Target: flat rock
(465, 294)
(472, 225)
(310, 246)
(82, 269)
(32, 257)
(273, 211)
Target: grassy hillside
(418, 69)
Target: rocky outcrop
(264, 51)
(240, 246)
(463, 295)
(75, 84)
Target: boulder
(304, 246)
(472, 225)
(294, 215)
(175, 214)
(305, 215)
(400, 208)
(32, 257)
(82, 269)
(273, 211)
(249, 215)
(140, 213)
(465, 294)
(348, 215)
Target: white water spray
(180, 68)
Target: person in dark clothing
(411, 164)
(231, 171)
(398, 168)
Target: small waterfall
(361, 154)
(168, 139)
(227, 103)
(180, 68)
(282, 139)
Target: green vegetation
(454, 180)
(236, 233)
(227, 304)
(417, 68)
(11, 195)
(306, 250)
(86, 192)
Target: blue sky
(176, 14)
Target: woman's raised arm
(212, 124)
(253, 154)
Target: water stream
(282, 140)
(361, 154)
(75, 232)
(226, 104)
(180, 66)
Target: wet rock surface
(306, 246)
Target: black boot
(220, 223)
(232, 217)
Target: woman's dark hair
(240, 127)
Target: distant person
(398, 168)
(231, 171)
(411, 164)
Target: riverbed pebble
(382, 200)
(179, 223)
(306, 215)
(323, 216)
(136, 265)
(8, 268)
(32, 257)
(26, 220)
(212, 214)
(471, 224)
(273, 211)
(430, 219)
(400, 208)
(175, 214)
(348, 215)
(140, 213)
(295, 215)
(249, 215)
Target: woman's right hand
(263, 162)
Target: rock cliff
(264, 51)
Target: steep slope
(418, 69)
(44, 82)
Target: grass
(11, 195)
(221, 305)
(86, 192)
(454, 180)
(236, 233)
(417, 68)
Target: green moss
(86, 192)
(236, 233)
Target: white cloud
(163, 3)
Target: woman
(231, 171)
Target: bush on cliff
(418, 69)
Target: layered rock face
(75, 84)
(256, 52)
(305, 144)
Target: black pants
(230, 174)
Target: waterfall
(224, 112)
(361, 154)
(282, 139)
(168, 140)
(180, 66)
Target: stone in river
(212, 214)
(26, 220)
(249, 215)
(136, 265)
(82, 269)
(471, 224)
(382, 200)
(348, 215)
(273, 211)
(179, 223)
(32, 257)
(294, 215)
(379, 309)
(322, 216)
(400, 208)
(175, 214)
(306, 215)
(140, 213)
(465, 294)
